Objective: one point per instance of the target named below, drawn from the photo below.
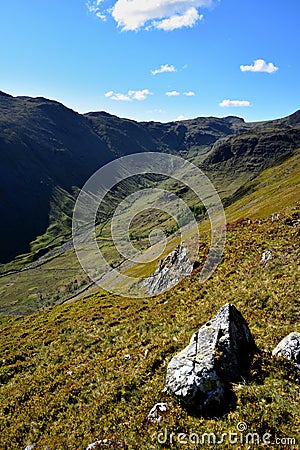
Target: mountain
(125, 136)
(266, 146)
(48, 151)
(44, 146)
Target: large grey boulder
(218, 354)
(289, 348)
(171, 270)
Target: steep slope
(65, 377)
(43, 146)
(239, 158)
(259, 148)
(48, 151)
(60, 277)
(66, 382)
(292, 120)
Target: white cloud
(176, 94)
(164, 68)
(161, 14)
(101, 16)
(93, 7)
(131, 95)
(180, 117)
(234, 103)
(188, 19)
(260, 65)
(117, 96)
(139, 95)
(172, 94)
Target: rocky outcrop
(289, 348)
(218, 354)
(170, 271)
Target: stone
(266, 256)
(171, 270)
(274, 217)
(218, 354)
(108, 444)
(289, 347)
(154, 415)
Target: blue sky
(156, 60)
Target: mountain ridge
(48, 151)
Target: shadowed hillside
(43, 146)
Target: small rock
(97, 444)
(30, 447)
(108, 444)
(154, 414)
(218, 354)
(266, 256)
(126, 357)
(289, 348)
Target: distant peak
(296, 114)
(4, 94)
(99, 113)
(236, 118)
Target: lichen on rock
(219, 353)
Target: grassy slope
(276, 187)
(65, 382)
(57, 279)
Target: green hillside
(48, 151)
(65, 382)
(60, 276)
